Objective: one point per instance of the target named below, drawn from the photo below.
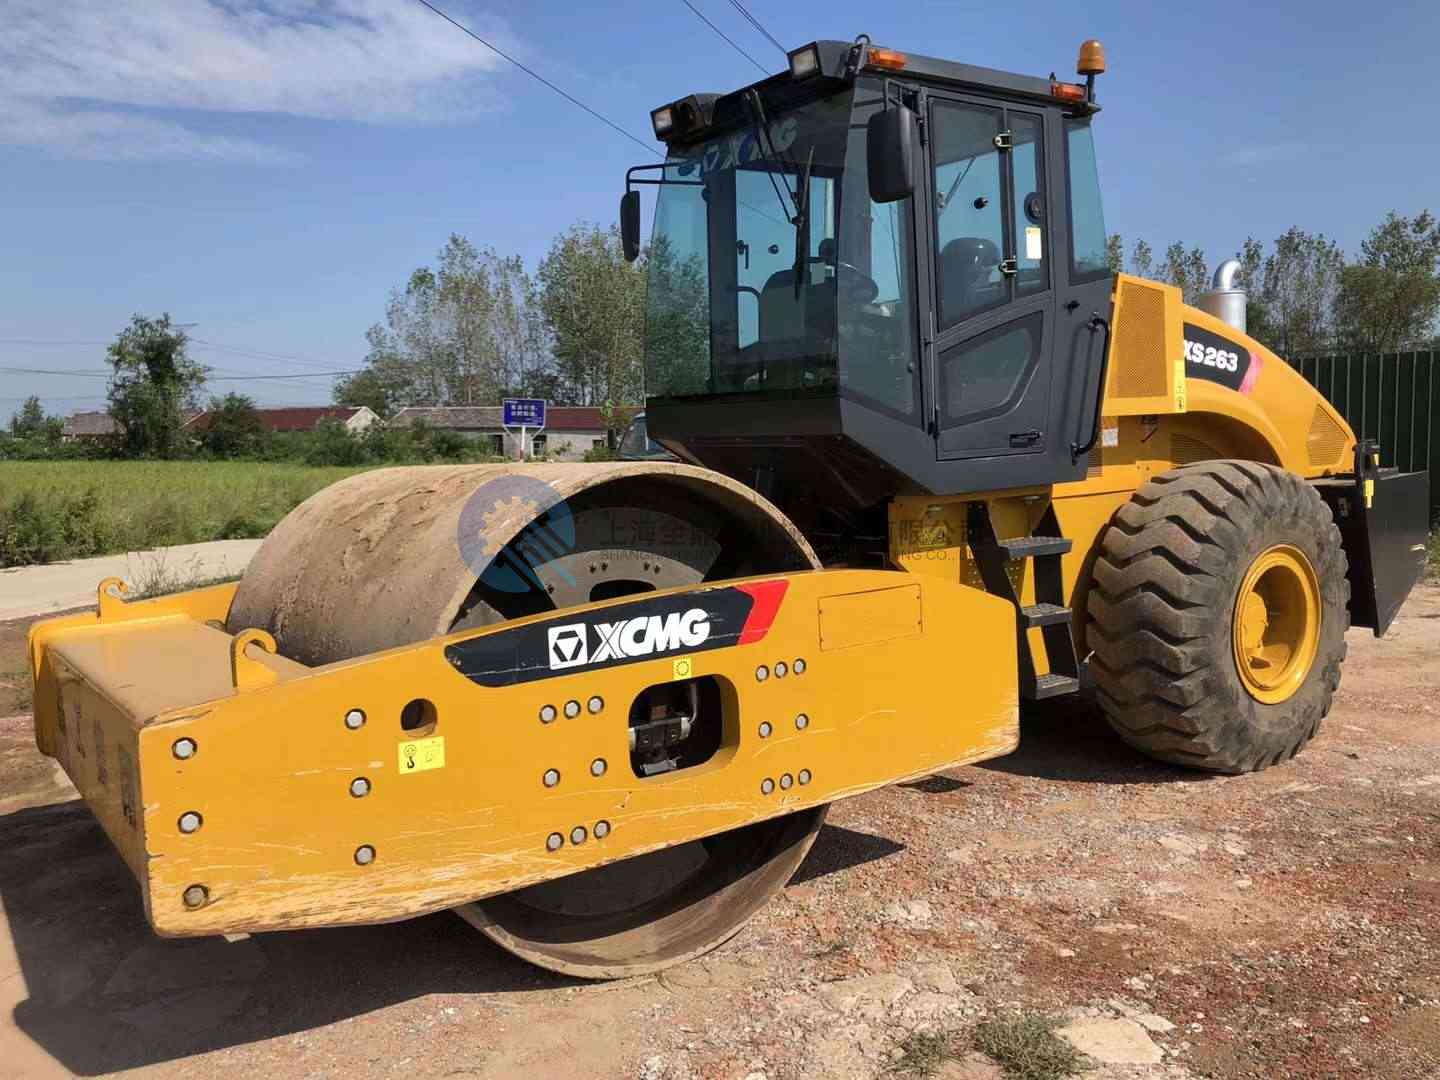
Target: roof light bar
(886, 59)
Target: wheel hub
(1277, 624)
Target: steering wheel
(856, 286)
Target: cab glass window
(969, 221)
(875, 282)
(1027, 163)
(986, 375)
(1087, 219)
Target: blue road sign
(524, 412)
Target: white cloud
(1264, 153)
(90, 78)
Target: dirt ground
(1279, 924)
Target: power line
(260, 354)
(728, 40)
(203, 343)
(295, 375)
(53, 397)
(211, 378)
(541, 78)
(756, 24)
(46, 371)
(47, 341)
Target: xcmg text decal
(627, 633)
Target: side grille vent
(1139, 351)
(1326, 441)
(1186, 451)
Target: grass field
(52, 510)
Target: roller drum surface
(397, 556)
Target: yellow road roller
(934, 459)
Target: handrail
(1077, 451)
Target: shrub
(331, 444)
(1027, 1047)
(37, 527)
(449, 445)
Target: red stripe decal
(767, 596)
(1252, 373)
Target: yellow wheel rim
(1277, 624)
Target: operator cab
(877, 274)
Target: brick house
(89, 426)
(356, 418)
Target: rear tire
(1177, 566)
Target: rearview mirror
(630, 225)
(891, 154)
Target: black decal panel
(621, 634)
(1217, 359)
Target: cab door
(993, 301)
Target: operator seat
(965, 265)
(783, 315)
(795, 330)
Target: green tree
(466, 332)
(30, 421)
(1293, 296)
(1189, 270)
(1142, 260)
(26, 421)
(594, 303)
(233, 428)
(1115, 253)
(677, 321)
(1389, 299)
(1251, 278)
(154, 382)
(371, 387)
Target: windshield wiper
(802, 224)
(799, 198)
(762, 136)
(944, 200)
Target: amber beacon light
(1090, 64)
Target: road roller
(935, 461)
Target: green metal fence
(1393, 398)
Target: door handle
(1025, 438)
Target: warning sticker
(1033, 247)
(682, 668)
(421, 754)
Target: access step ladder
(1049, 614)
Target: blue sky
(270, 171)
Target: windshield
(742, 300)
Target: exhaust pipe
(1225, 300)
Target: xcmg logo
(644, 635)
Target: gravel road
(37, 590)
